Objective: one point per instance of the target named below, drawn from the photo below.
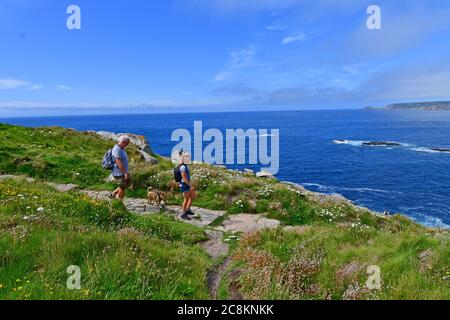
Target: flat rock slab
(97, 195)
(140, 206)
(202, 218)
(16, 178)
(215, 248)
(214, 234)
(63, 187)
(247, 223)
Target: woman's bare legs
(186, 201)
(189, 202)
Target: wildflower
(40, 209)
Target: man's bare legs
(121, 194)
(115, 192)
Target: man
(120, 169)
(186, 187)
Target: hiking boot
(190, 213)
(184, 216)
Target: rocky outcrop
(265, 174)
(139, 141)
(424, 106)
(247, 223)
(349, 272)
(381, 144)
(441, 149)
(425, 260)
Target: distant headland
(423, 106)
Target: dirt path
(215, 276)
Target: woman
(186, 187)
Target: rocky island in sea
(422, 106)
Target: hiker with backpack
(116, 159)
(183, 177)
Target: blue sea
(325, 152)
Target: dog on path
(156, 198)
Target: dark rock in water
(441, 149)
(381, 144)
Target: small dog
(156, 198)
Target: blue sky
(215, 55)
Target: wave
(412, 212)
(267, 135)
(337, 190)
(431, 150)
(356, 143)
(392, 144)
(430, 221)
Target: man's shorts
(184, 187)
(122, 182)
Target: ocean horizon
(394, 161)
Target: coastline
(244, 227)
(148, 156)
(143, 144)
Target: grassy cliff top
(322, 249)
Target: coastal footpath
(253, 237)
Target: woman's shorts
(184, 188)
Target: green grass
(121, 255)
(306, 265)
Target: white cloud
(35, 86)
(402, 30)
(275, 27)
(242, 58)
(423, 81)
(239, 59)
(63, 87)
(222, 76)
(238, 5)
(6, 84)
(10, 84)
(293, 38)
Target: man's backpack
(108, 160)
(177, 173)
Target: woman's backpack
(177, 173)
